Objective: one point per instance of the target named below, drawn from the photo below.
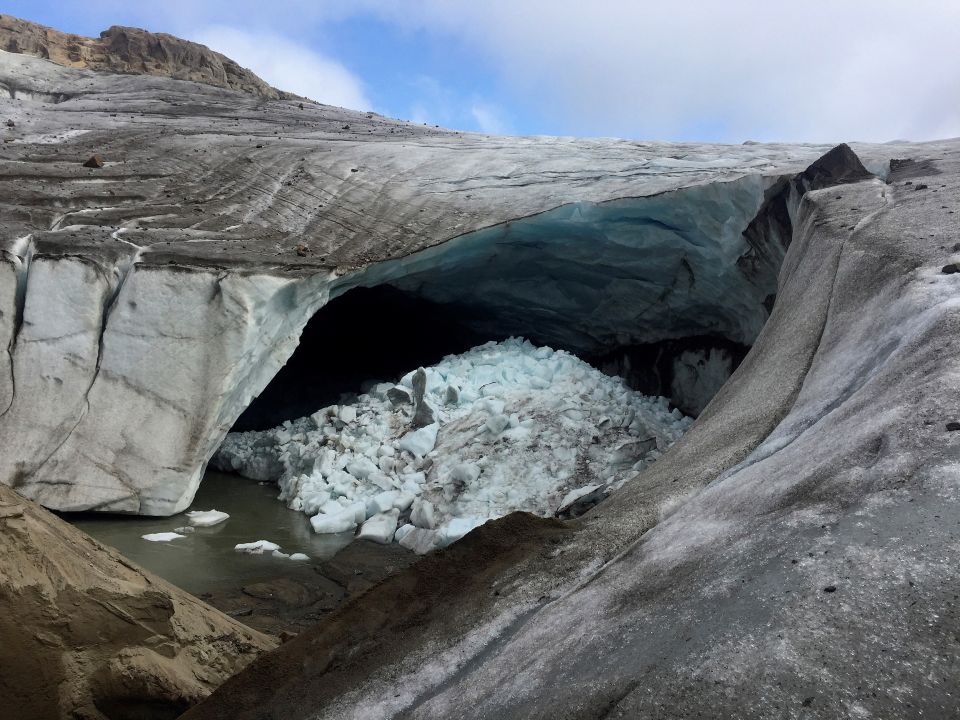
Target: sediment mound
(84, 633)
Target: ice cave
(668, 291)
(646, 303)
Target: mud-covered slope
(132, 51)
(794, 555)
(86, 634)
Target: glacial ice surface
(591, 277)
(513, 427)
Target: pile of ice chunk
(505, 426)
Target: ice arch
(663, 290)
(167, 357)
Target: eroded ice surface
(505, 426)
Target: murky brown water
(205, 560)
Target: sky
(710, 70)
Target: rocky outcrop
(769, 232)
(86, 634)
(133, 51)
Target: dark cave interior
(377, 334)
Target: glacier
(592, 276)
(795, 549)
(156, 329)
(792, 554)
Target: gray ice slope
(794, 555)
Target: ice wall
(125, 377)
(589, 277)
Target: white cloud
(433, 103)
(819, 70)
(287, 65)
(420, 114)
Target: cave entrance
(378, 334)
(667, 291)
(373, 334)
